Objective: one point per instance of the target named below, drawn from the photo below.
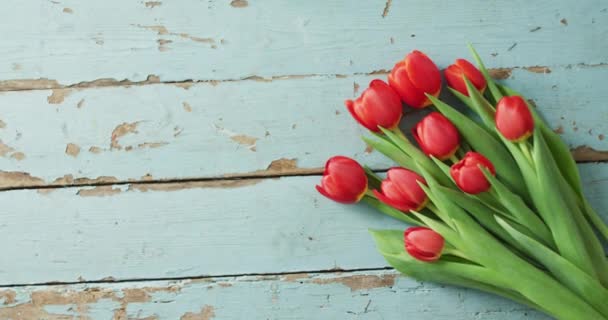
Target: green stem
(523, 146)
(454, 159)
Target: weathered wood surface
(147, 231)
(124, 96)
(237, 128)
(70, 41)
(356, 295)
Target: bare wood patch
(72, 149)
(18, 156)
(2, 124)
(239, 3)
(5, 149)
(68, 10)
(100, 191)
(588, 154)
(8, 296)
(162, 44)
(152, 4)
(245, 140)
(361, 282)
(80, 104)
(294, 277)
(500, 73)
(206, 313)
(95, 150)
(176, 186)
(18, 179)
(187, 106)
(387, 7)
(58, 95)
(538, 69)
(120, 131)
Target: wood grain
(244, 128)
(357, 295)
(150, 231)
(74, 41)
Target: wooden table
(159, 157)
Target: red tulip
(413, 77)
(344, 180)
(378, 105)
(423, 243)
(453, 74)
(437, 136)
(401, 190)
(513, 118)
(467, 174)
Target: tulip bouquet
(492, 195)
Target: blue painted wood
(166, 132)
(206, 228)
(358, 295)
(73, 41)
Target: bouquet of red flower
(493, 195)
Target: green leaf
(373, 180)
(518, 209)
(555, 211)
(480, 105)
(566, 272)
(391, 151)
(485, 144)
(494, 90)
(391, 212)
(421, 160)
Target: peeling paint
(80, 104)
(187, 106)
(72, 150)
(564, 21)
(2, 124)
(152, 4)
(95, 150)
(8, 296)
(387, 7)
(58, 95)
(245, 140)
(152, 145)
(18, 156)
(294, 277)
(360, 282)
(120, 131)
(5, 149)
(68, 10)
(239, 3)
(206, 313)
(355, 88)
(100, 191)
(176, 186)
(539, 69)
(162, 44)
(18, 179)
(500, 73)
(559, 130)
(588, 154)
(282, 165)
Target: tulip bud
(423, 243)
(413, 77)
(467, 174)
(378, 105)
(437, 136)
(455, 72)
(513, 118)
(401, 190)
(344, 180)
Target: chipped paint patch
(120, 131)
(282, 165)
(176, 186)
(18, 179)
(80, 104)
(239, 3)
(294, 277)
(559, 130)
(152, 4)
(187, 106)
(162, 44)
(152, 145)
(72, 149)
(68, 179)
(387, 7)
(245, 140)
(160, 30)
(360, 282)
(588, 154)
(58, 95)
(206, 313)
(184, 85)
(500, 73)
(95, 150)
(2, 124)
(8, 296)
(5, 149)
(355, 89)
(539, 69)
(18, 156)
(100, 191)
(68, 10)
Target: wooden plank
(239, 128)
(358, 295)
(73, 41)
(204, 228)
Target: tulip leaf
(391, 212)
(485, 144)
(391, 151)
(373, 180)
(518, 209)
(480, 105)
(494, 90)
(566, 272)
(420, 159)
(555, 210)
(444, 167)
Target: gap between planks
(201, 277)
(50, 84)
(582, 154)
